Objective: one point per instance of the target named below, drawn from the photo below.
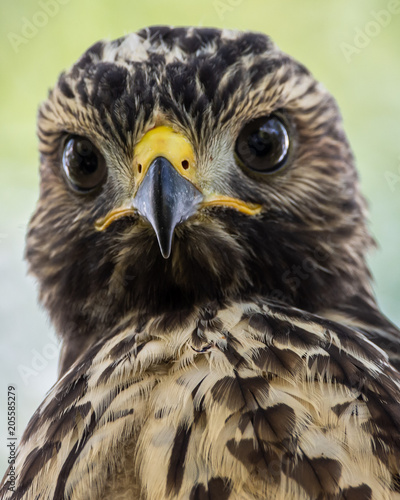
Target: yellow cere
(166, 142)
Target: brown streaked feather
(224, 418)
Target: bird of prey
(199, 243)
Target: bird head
(188, 165)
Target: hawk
(199, 243)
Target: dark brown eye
(83, 165)
(263, 144)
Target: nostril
(185, 164)
(139, 168)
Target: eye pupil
(261, 141)
(84, 147)
(263, 144)
(83, 165)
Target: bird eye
(83, 165)
(263, 144)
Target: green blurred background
(352, 47)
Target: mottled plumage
(249, 360)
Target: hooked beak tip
(165, 245)
(166, 199)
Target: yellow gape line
(226, 201)
(104, 222)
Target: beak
(166, 199)
(166, 176)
